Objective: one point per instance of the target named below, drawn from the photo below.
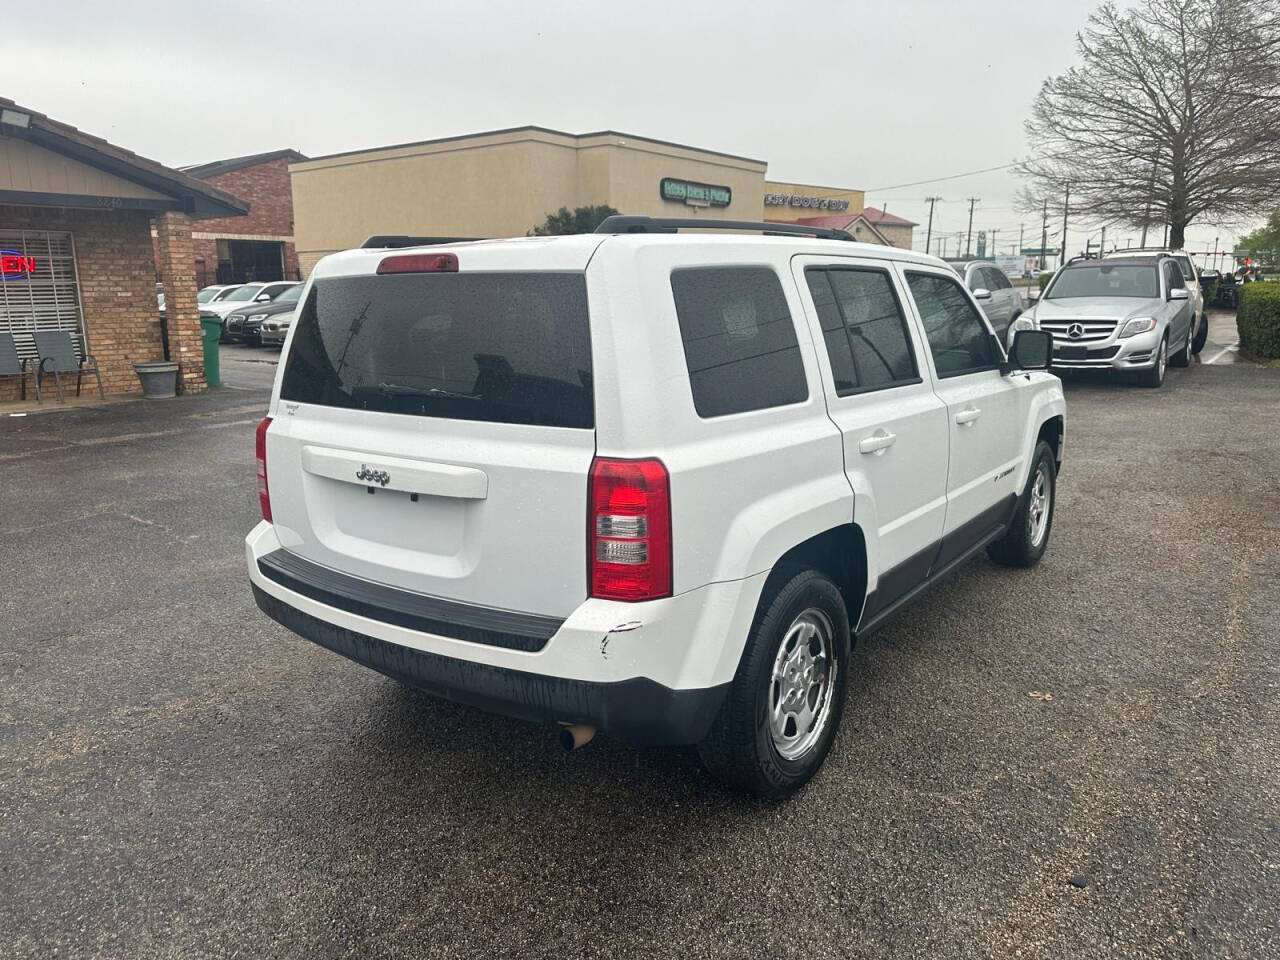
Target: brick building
(254, 247)
(77, 221)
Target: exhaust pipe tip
(576, 735)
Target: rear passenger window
(864, 329)
(739, 339)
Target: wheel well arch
(840, 553)
(1051, 432)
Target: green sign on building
(695, 194)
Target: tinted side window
(838, 349)
(876, 328)
(996, 279)
(739, 339)
(1174, 274)
(958, 339)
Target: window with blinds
(38, 289)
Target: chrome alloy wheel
(1163, 360)
(1038, 507)
(804, 674)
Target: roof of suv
(573, 252)
(1143, 260)
(1142, 254)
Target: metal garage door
(38, 286)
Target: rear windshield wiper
(403, 390)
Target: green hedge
(1258, 319)
(1044, 279)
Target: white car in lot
(641, 481)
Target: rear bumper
(652, 672)
(638, 710)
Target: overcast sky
(859, 94)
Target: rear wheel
(1155, 376)
(1028, 535)
(782, 710)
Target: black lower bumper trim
(416, 611)
(638, 710)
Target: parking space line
(1223, 352)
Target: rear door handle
(968, 415)
(878, 442)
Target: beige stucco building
(503, 183)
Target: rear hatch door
(434, 430)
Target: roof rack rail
(389, 241)
(632, 224)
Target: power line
(971, 173)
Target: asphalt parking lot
(180, 777)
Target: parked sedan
(247, 295)
(250, 323)
(997, 297)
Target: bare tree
(1172, 116)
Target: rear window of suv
(499, 347)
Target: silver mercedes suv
(1131, 315)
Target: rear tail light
(419, 263)
(260, 449)
(629, 529)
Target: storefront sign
(14, 264)
(797, 200)
(695, 194)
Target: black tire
(1155, 376)
(740, 749)
(1183, 357)
(1202, 335)
(1025, 542)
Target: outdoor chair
(11, 365)
(57, 352)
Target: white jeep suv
(643, 482)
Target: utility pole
(1021, 230)
(968, 245)
(1066, 206)
(1044, 234)
(994, 251)
(1215, 253)
(928, 235)
(1102, 244)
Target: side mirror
(1179, 293)
(982, 293)
(1032, 350)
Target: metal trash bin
(210, 334)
